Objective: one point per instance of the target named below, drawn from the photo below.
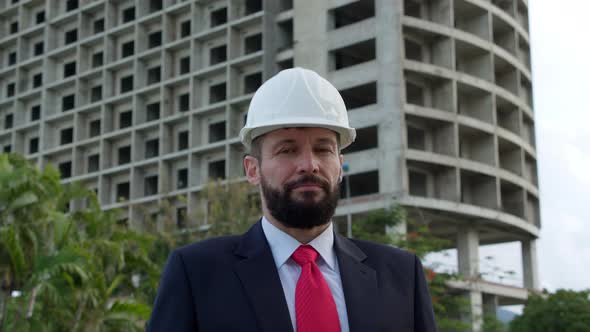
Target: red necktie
(315, 310)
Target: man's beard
(301, 213)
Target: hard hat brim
(248, 134)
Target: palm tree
(74, 270)
(109, 299)
(28, 199)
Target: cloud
(564, 254)
(564, 249)
(562, 115)
(560, 65)
(578, 163)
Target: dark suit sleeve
(173, 308)
(423, 314)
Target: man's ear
(252, 168)
(341, 163)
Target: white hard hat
(297, 97)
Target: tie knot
(304, 254)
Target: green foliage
(374, 225)
(379, 226)
(73, 270)
(232, 208)
(228, 208)
(564, 310)
(492, 324)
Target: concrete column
(389, 42)
(476, 318)
(468, 261)
(529, 264)
(269, 28)
(468, 252)
(490, 304)
(310, 35)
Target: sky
(560, 54)
(561, 73)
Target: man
(291, 271)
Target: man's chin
(302, 206)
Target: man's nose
(307, 162)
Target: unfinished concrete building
(143, 101)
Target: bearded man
(291, 271)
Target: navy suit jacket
(232, 284)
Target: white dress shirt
(283, 245)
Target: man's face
(299, 171)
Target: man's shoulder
(379, 251)
(210, 247)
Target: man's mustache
(307, 179)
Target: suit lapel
(260, 278)
(359, 283)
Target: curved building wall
(469, 125)
(468, 106)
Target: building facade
(142, 101)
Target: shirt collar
(282, 245)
